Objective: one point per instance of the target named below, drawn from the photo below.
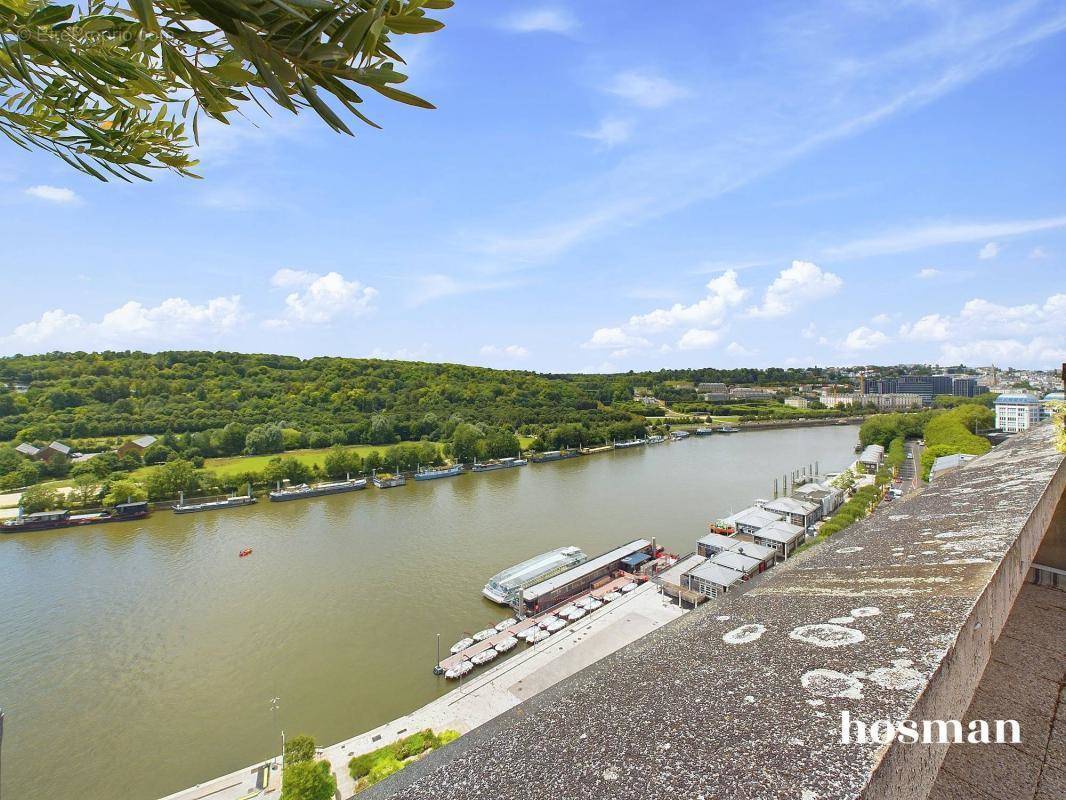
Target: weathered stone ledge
(893, 618)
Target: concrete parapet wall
(892, 619)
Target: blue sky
(602, 188)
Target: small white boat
(556, 626)
(481, 636)
(528, 632)
(484, 657)
(576, 614)
(584, 602)
(610, 597)
(459, 670)
(505, 623)
(629, 587)
(504, 645)
(538, 636)
(548, 620)
(594, 604)
(461, 645)
(565, 610)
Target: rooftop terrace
(894, 618)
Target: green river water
(137, 659)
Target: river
(137, 659)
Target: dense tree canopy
(246, 402)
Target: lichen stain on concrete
(830, 683)
(744, 634)
(866, 611)
(827, 635)
(900, 676)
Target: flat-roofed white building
(799, 512)
(783, 536)
(871, 458)
(737, 561)
(751, 519)
(1017, 412)
(710, 579)
(714, 543)
(830, 497)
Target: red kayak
(246, 552)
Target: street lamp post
(275, 703)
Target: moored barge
(428, 474)
(553, 455)
(498, 463)
(503, 587)
(316, 490)
(50, 520)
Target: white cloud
(1037, 253)
(908, 239)
(320, 298)
(435, 286)
(614, 338)
(810, 331)
(603, 367)
(928, 273)
(508, 351)
(989, 251)
(285, 278)
(541, 20)
(930, 328)
(646, 89)
(420, 353)
(173, 322)
(1032, 334)
(1039, 351)
(54, 194)
(610, 132)
(800, 283)
(881, 319)
(723, 293)
(698, 339)
(864, 338)
(737, 349)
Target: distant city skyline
(840, 185)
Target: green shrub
(299, 748)
(379, 764)
(308, 780)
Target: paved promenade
(483, 696)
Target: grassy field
(229, 466)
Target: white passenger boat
(584, 602)
(538, 636)
(504, 645)
(610, 597)
(576, 614)
(484, 657)
(594, 604)
(629, 587)
(481, 636)
(548, 620)
(555, 626)
(566, 610)
(505, 586)
(459, 670)
(461, 645)
(528, 632)
(504, 624)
